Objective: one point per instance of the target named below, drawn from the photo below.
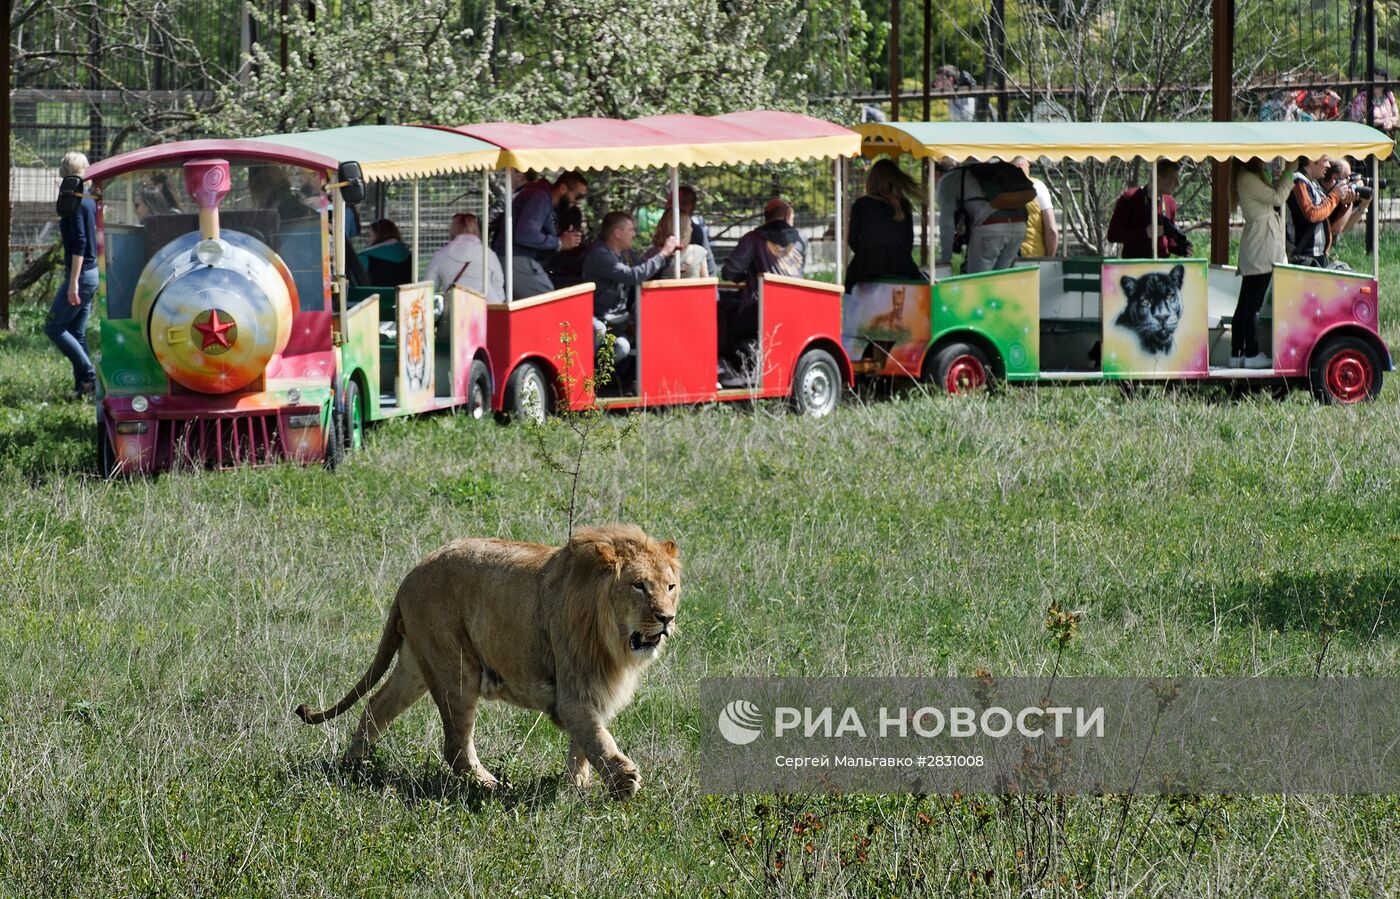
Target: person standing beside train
(66, 325)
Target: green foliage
(623, 59)
(541, 59)
(21, 154)
(393, 62)
(838, 47)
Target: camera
(1363, 186)
(1358, 185)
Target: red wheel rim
(966, 373)
(1350, 376)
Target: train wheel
(1345, 370)
(478, 390)
(335, 443)
(961, 368)
(352, 430)
(816, 386)
(106, 456)
(528, 397)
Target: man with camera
(1348, 212)
(1310, 211)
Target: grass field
(157, 633)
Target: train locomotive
(209, 359)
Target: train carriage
(1063, 319)
(799, 353)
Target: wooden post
(1373, 213)
(97, 132)
(928, 55)
(894, 60)
(999, 49)
(282, 36)
(1222, 97)
(5, 188)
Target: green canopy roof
(386, 152)
(1124, 140)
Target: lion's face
(645, 594)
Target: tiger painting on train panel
(416, 345)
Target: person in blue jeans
(68, 316)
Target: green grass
(157, 633)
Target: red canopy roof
(663, 140)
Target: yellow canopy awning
(1080, 141)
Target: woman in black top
(882, 227)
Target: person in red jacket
(1131, 223)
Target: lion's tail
(389, 643)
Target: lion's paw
(484, 779)
(623, 779)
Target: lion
(563, 630)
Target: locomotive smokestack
(207, 181)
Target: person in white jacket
(1262, 197)
(459, 262)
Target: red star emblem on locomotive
(214, 331)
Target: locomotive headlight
(139, 404)
(293, 396)
(210, 251)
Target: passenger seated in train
(537, 236)
(775, 248)
(615, 280)
(459, 261)
(150, 200)
(1131, 223)
(160, 182)
(270, 188)
(566, 266)
(387, 261)
(697, 257)
(881, 234)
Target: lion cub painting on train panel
(563, 630)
